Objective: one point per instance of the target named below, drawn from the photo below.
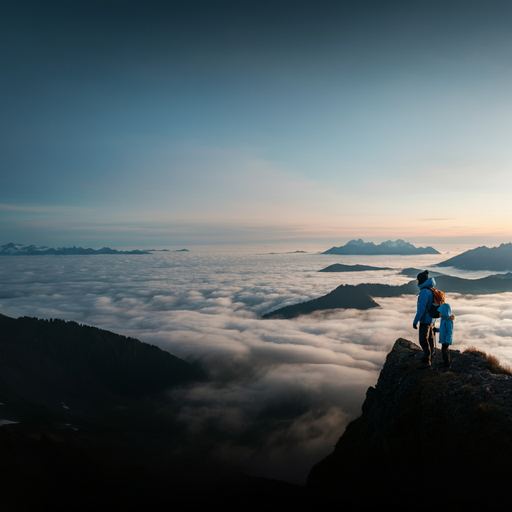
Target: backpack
(436, 302)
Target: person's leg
(426, 342)
(431, 343)
(446, 355)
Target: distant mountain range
(33, 250)
(413, 272)
(291, 252)
(398, 247)
(482, 258)
(361, 296)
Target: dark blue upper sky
(134, 122)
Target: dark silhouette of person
(426, 334)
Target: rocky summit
(441, 434)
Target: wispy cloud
(436, 219)
(41, 209)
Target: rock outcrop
(447, 431)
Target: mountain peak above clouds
(15, 249)
(482, 258)
(397, 247)
(397, 243)
(358, 242)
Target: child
(446, 331)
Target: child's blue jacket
(446, 328)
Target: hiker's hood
(430, 282)
(445, 310)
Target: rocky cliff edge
(441, 434)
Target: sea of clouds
(280, 391)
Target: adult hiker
(426, 334)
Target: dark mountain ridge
(339, 267)
(80, 404)
(85, 354)
(345, 297)
(482, 258)
(361, 296)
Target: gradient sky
(130, 123)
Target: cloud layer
(281, 391)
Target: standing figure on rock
(445, 331)
(425, 299)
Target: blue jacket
(446, 328)
(425, 299)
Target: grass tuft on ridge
(493, 363)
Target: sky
(130, 123)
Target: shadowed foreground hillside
(39, 354)
(82, 413)
(90, 420)
(422, 435)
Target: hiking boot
(424, 366)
